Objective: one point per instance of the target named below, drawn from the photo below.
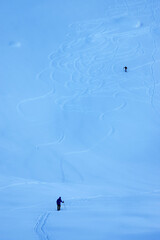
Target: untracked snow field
(74, 124)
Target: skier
(125, 69)
(59, 201)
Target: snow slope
(75, 124)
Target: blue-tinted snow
(74, 124)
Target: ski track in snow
(40, 226)
(47, 144)
(17, 184)
(110, 132)
(30, 100)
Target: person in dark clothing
(125, 69)
(59, 201)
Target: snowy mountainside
(83, 117)
(74, 124)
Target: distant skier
(59, 201)
(125, 69)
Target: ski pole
(64, 206)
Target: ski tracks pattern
(91, 56)
(83, 73)
(154, 90)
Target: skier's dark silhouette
(125, 69)
(59, 201)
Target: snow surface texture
(76, 125)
